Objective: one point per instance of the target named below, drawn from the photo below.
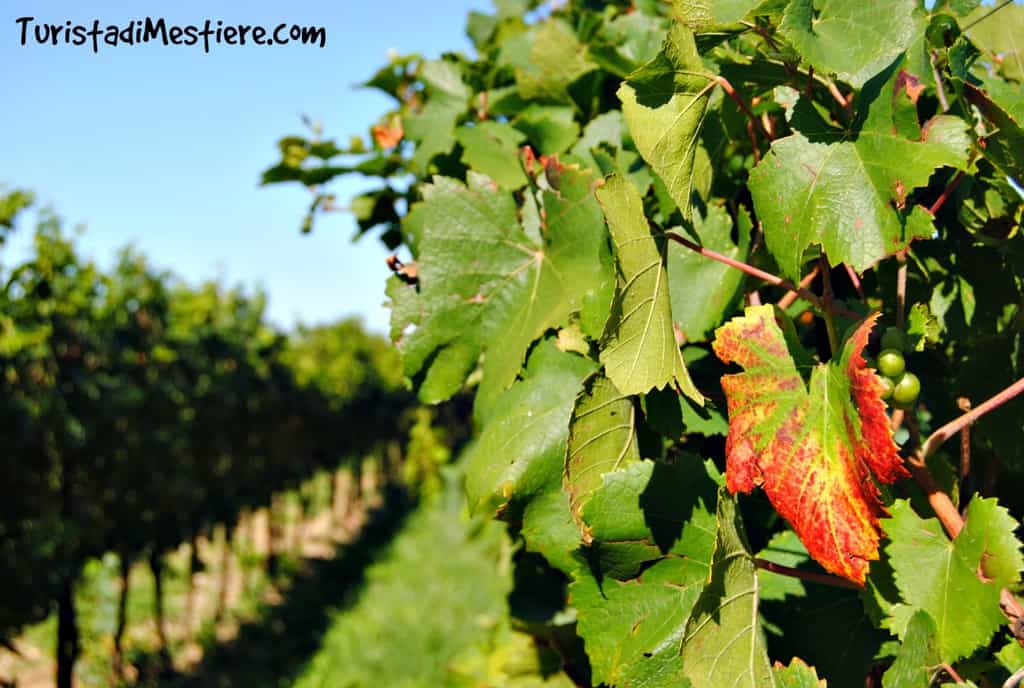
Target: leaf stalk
(791, 296)
(738, 99)
(828, 304)
(768, 277)
(810, 576)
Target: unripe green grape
(942, 31)
(887, 386)
(891, 363)
(894, 339)
(906, 390)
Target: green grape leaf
(956, 582)
(724, 645)
(639, 347)
(1002, 105)
(999, 35)
(1011, 656)
(517, 462)
(848, 191)
(627, 42)
(653, 528)
(433, 127)
(702, 14)
(704, 291)
(633, 629)
(959, 7)
(604, 129)
(797, 675)
(602, 439)
(918, 660)
(922, 327)
(853, 40)
(649, 510)
(549, 529)
(551, 129)
(486, 286)
(493, 148)
(480, 28)
(556, 59)
(664, 104)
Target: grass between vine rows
(432, 596)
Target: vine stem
(944, 196)
(940, 90)
(936, 439)
(773, 280)
(855, 280)
(768, 277)
(732, 93)
(987, 14)
(901, 288)
(1015, 679)
(940, 502)
(790, 296)
(826, 301)
(952, 673)
(810, 576)
(896, 421)
(965, 449)
(840, 98)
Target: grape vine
(666, 245)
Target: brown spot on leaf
(909, 84)
(982, 574)
(900, 194)
(407, 272)
(529, 157)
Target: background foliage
(140, 413)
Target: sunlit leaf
(815, 448)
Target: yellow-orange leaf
(815, 448)
(389, 132)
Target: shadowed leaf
(724, 645)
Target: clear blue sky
(163, 146)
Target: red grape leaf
(813, 448)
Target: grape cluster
(900, 386)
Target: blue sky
(162, 147)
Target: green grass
(436, 592)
